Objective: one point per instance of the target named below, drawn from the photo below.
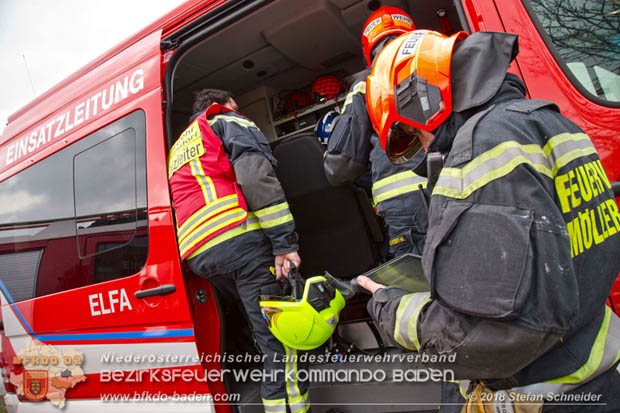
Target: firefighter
(353, 143)
(233, 223)
(523, 237)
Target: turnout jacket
(521, 253)
(395, 188)
(269, 225)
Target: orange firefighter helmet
(383, 22)
(410, 83)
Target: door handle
(161, 290)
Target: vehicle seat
(337, 226)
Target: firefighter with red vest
(233, 224)
(524, 232)
(353, 144)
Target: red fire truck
(92, 287)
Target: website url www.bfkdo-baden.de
(160, 397)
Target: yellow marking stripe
(401, 183)
(359, 88)
(595, 357)
(192, 222)
(189, 244)
(546, 160)
(277, 221)
(399, 191)
(272, 209)
(246, 123)
(251, 224)
(208, 190)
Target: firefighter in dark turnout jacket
(234, 223)
(523, 238)
(353, 143)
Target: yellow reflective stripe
(246, 123)
(359, 88)
(205, 213)
(397, 184)
(287, 370)
(300, 399)
(391, 179)
(299, 404)
(557, 140)
(272, 209)
(508, 154)
(274, 402)
(396, 192)
(210, 227)
(406, 325)
(402, 306)
(275, 406)
(292, 389)
(571, 156)
(561, 158)
(251, 224)
(275, 222)
(205, 182)
(274, 215)
(595, 358)
(498, 162)
(295, 381)
(463, 386)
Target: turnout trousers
(281, 384)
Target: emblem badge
(36, 384)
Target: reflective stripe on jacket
(398, 184)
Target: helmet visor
(402, 145)
(269, 313)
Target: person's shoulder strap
(462, 146)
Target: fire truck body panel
(104, 279)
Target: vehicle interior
(262, 57)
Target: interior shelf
(309, 109)
(305, 129)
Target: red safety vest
(205, 194)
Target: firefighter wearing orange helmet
(353, 143)
(523, 237)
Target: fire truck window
(586, 35)
(126, 260)
(110, 206)
(104, 178)
(79, 216)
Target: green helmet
(307, 322)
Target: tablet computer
(404, 271)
